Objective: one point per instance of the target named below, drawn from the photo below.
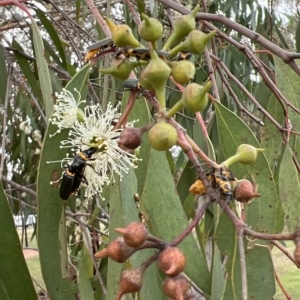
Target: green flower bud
(162, 136)
(150, 29)
(122, 35)
(194, 97)
(195, 43)
(120, 68)
(245, 154)
(183, 71)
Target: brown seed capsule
(131, 281)
(130, 138)
(171, 261)
(176, 287)
(134, 234)
(117, 250)
(245, 191)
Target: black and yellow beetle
(220, 178)
(141, 53)
(95, 49)
(74, 174)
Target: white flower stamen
(66, 110)
(95, 129)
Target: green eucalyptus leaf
(43, 71)
(15, 280)
(3, 73)
(50, 206)
(233, 132)
(271, 140)
(27, 70)
(54, 36)
(115, 221)
(289, 190)
(85, 271)
(167, 219)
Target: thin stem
(123, 119)
(19, 187)
(192, 225)
(98, 17)
(84, 229)
(286, 294)
(284, 250)
(240, 235)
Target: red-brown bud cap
(176, 287)
(245, 191)
(130, 138)
(117, 250)
(134, 234)
(131, 281)
(171, 261)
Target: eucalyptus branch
(19, 187)
(286, 294)
(191, 226)
(98, 17)
(212, 75)
(74, 218)
(284, 250)
(241, 108)
(132, 9)
(286, 56)
(240, 236)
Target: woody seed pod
(171, 261)
(117, 250)
(134, 234)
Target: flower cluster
(92, 127)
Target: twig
(286, 294)
(191, 226)
(83, 227)
(284, 250)
(98, 17)
(287, 57)
(19, 187)
(240, 235)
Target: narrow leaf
(15, 280)
(84, 284)
(289, 190)
(167, 218)
(43, 71)
(54, 36)
(151, 288)
(3, 72)
(50, 205)
(115, 221)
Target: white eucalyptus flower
(66, 110)
(36, 135)
(97, 131)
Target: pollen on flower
(97, 131)
(66, 110)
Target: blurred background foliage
(260, 100)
